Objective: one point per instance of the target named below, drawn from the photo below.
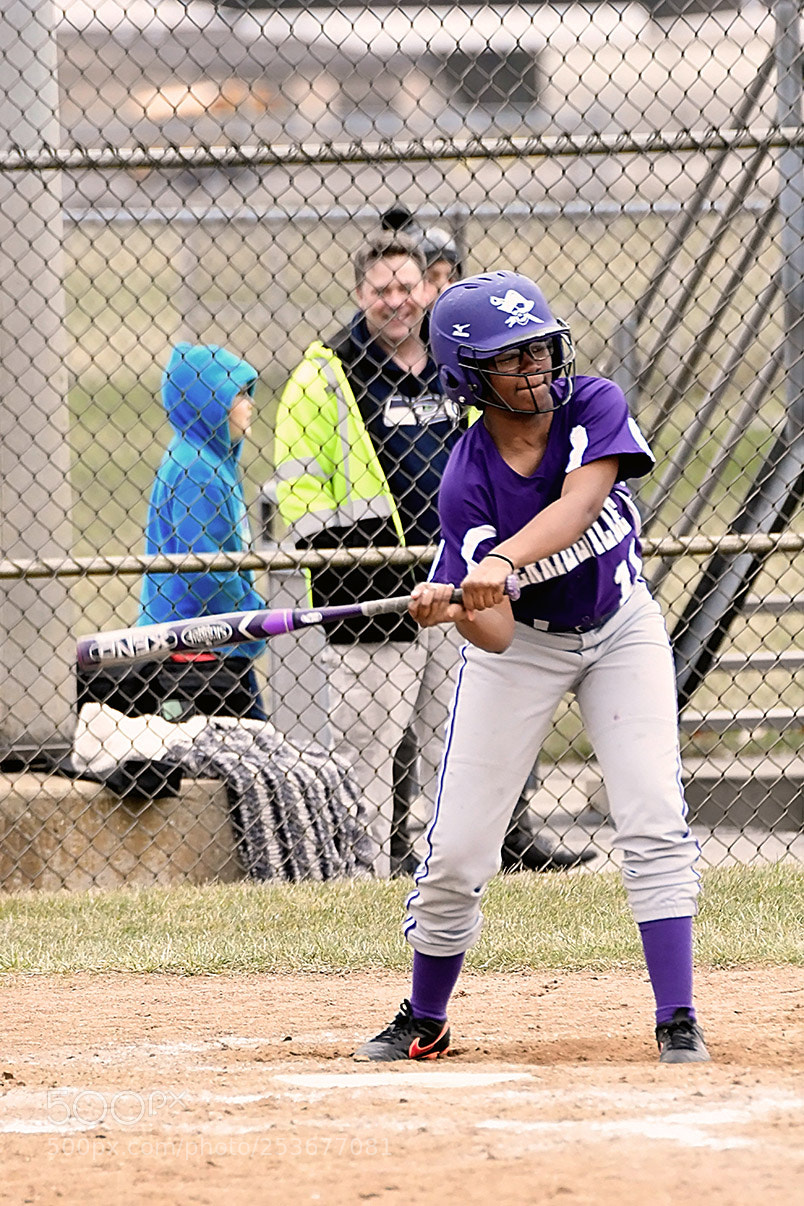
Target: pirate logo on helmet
(518, 307)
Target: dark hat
(436, 244)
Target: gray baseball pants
(623, 679)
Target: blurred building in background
(182, 74)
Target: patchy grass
(750, 916)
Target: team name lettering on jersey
(608, 530)
(401, 411)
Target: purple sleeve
(603, 427)
(466, 517)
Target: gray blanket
(295, 810)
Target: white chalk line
(692, 1128)
(25, 1112)
(84, 1108)
(421, 1077)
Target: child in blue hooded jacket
(197, 506)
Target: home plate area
(242, 1089)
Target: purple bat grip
(511, 590)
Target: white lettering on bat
(118, 646)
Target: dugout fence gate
(205, 172)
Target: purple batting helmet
(477, 318)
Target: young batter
(538, 487)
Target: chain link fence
(203, 174)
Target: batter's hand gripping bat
(153, 641)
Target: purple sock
(668, 953)
(434, 977)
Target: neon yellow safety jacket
(328, 473)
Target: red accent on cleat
(417, 1051)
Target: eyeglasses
(512, 359)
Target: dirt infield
(241, 1089)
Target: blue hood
(197, 500)
(199, 385)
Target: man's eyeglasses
(513, 360)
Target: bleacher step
(758, 791)
(722, 720)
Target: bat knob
(512, 588)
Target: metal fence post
(37, 658)
(791, 205)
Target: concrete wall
(60, 833)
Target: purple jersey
(483, 501)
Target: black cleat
(407, 1038)
(404, 868)
(523, 851)
(681, 1041)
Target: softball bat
(153, 641)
